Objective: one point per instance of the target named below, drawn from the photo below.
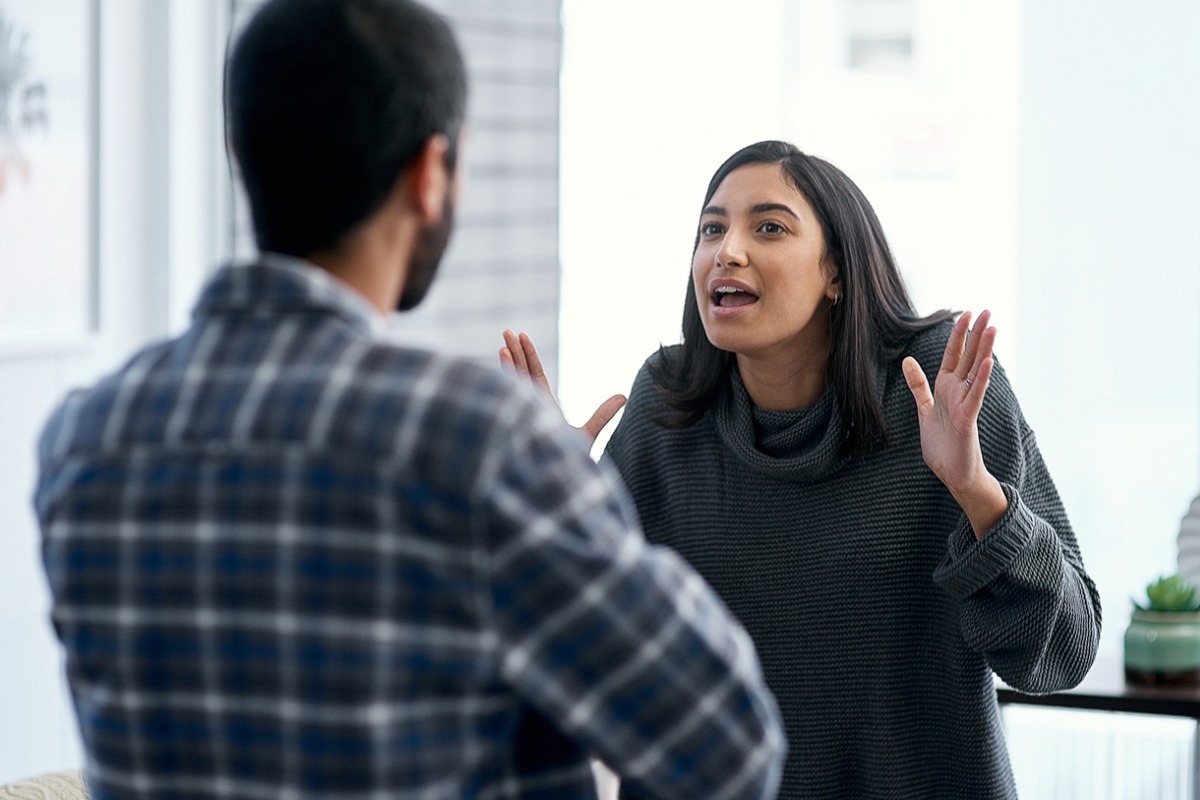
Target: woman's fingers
(533, 362)
(954, 346)
(982, 353)
(520, 355)
(604, 414)
(965, 371)
(968, 346)
(970, 357)
(978, 388)
(516, 353)
(918, 385)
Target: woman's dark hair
(327, 101)
(871, 322)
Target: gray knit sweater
(878, 617)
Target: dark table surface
(1105, 689)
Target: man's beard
(426, 258)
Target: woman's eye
(710, 228)
(771, 227)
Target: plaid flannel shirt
(289, 559)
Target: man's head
(328, 103)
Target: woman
(887, 556)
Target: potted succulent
(1162, 642)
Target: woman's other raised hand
(949, 417)
(520, 356)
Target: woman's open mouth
(727, 297)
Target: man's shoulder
(449, 381)
(80, 418)
(443, 400)
(350, 394)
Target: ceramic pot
(1162, 648)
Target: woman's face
(759, 273)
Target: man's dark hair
(327, 101)
(871, 323)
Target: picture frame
(49, 153)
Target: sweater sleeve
(1026, 601)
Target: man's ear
(428, 179)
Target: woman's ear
(834, 288)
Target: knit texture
(878, 617)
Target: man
(290, 559)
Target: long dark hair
(870, 324)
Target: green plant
(1171, 593)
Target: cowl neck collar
(799, 445)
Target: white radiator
(1062, 754)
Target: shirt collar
(279, 283)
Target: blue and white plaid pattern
(291, 560)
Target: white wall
(156, 174)
(1109, 275)
(655, 96)
(932, 145)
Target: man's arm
(622, 645)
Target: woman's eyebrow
(762, 208)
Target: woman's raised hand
(949, 417)
(520, 356)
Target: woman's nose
(731, 253)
